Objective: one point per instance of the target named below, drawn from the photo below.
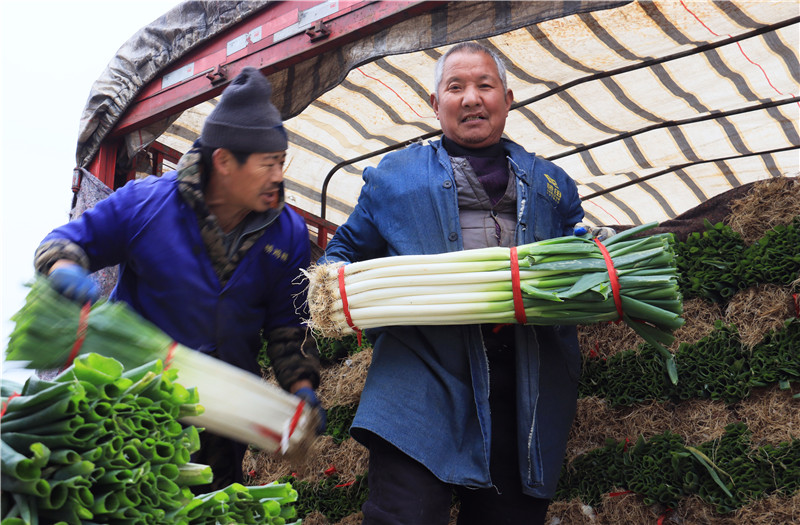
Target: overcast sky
(52, 51)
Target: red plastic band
(796, 305)
(340, 485)
(345, 307)
(266, 432)
(519, 307)
(83, 325)
(621, 493)
(663, 516)
(612, 276)
(5, 405)
(296, 417)
(170, 355)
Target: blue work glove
(73, 282)
(602, 233)
(308, 395)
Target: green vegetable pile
(716, 367)
(715, 264)
(100, 444)
(727, 472)
(332, 496)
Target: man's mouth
(472, 118)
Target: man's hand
(73, 282)
(602, 233)
(307, 394)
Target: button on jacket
(427, 388)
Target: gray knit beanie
(245, 119)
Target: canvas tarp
(652, 107)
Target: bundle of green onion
(50, 330)
(562, 281)
(100, 444)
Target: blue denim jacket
(427, 388)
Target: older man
(484, 409)
(209, 253)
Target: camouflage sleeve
(51, 251)
(294, 356)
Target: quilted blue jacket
(428, 386)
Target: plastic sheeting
(652, 107)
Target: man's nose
(471, 96)
(276, 174)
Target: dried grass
(758, 310)
(770, 413)
(349, 459)
(768, 204)
(342, 384)
(607, 339)
(316, 518)
(700, 316)
(628, 509)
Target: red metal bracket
(275, 49)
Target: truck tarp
(652, 107)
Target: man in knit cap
(208, 252)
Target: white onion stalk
(242, 406)
(561, 281)
(237, 403)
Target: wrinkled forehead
(449, 73)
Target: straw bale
(758, 310)
(607, 339)
(572, 512)
(352, 519)
(696, 421)
(348, 458)
(773, 510)
(316, 518)
(769, 203)
(700, 316)
(342, 384)
(770, 413)
(629, 509)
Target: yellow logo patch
(552, 189)
(276, 252)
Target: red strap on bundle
(345, 307)
(296, 417)
(170, 355)
(796, 305)
(612, 276)
(5, 405)
(264, 431)
(519, 307)
(83, 325)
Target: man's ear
(435, 104)
(509, 99)
(221, 160)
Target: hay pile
(770, 413)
